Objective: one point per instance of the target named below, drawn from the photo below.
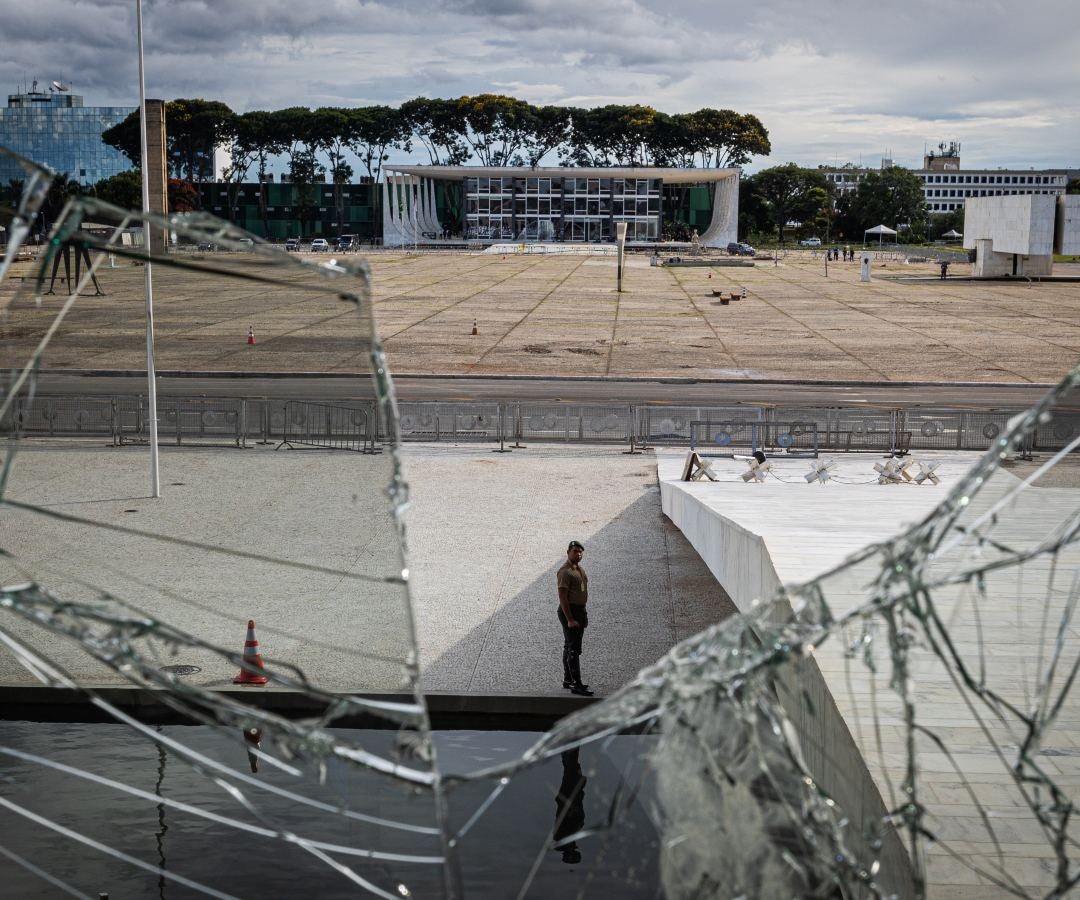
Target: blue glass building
(54, 128)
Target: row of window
(992, 179)
(977, 192)
(847, 178)
(641, 187)
(569, 206)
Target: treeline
(489, 129)
(782, 199)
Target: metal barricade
(671, 424)
(327, 427)
(1057, 431)
(799, 438)
(64, 417)
(866, 429)
(723, 438)
(932, 429)
(437, 421)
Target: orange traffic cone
(251, 334)
(474, 331)
(252, 660)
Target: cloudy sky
(832, 82)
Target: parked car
(810, 242)
(740, 249)
(320, 245)
(206, 246)
(292, 245)
(345, 243)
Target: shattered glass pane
(903, 725)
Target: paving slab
(561, 315)
(486, 533)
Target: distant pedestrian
(573, 588)
(849, 254)
(944, 269)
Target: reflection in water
(159, 836)
(254, 737)
(570, 807)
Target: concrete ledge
(474, 712)
(613, 379)
(740, 560)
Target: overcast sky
(832, 82)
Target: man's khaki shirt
(576, 582)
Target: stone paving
(486, 534)
(790, 533)
(560, 315)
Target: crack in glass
(900, 724)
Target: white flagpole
(151, 376)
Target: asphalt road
(577, 390)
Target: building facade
(946, 185)
(294, 210)
(53, 128)
(556, 204)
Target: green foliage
(789, 193)
(495, 127)
(891, 197)
(437, 125)
(1073, 187)
(123, 190)
(940, 223)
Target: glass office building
(561, 209)
(55, 129)
(556, 204)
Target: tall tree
(790, 192)
(549, 127)
(124, 136)
(497, 128)
(438, 126)
(374, 131)
(123, 189)
(725, 139)
(331, 132)
(193, 128)
(258, 131)
(295, 128)
(891, 197)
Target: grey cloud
(832, 79)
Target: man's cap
(574, 544)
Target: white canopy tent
(952, 234)
(880, 231)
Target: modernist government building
(556, 204)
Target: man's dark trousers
(572, 643)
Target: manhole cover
(181, 670)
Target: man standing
(573, 586)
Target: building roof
(668, 176)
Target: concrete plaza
(561, 315)
(485, 531)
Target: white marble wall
(1020, 224)
(1067, 233)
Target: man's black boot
(582, 690)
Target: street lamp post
(155, 476)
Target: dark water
(508, 850)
